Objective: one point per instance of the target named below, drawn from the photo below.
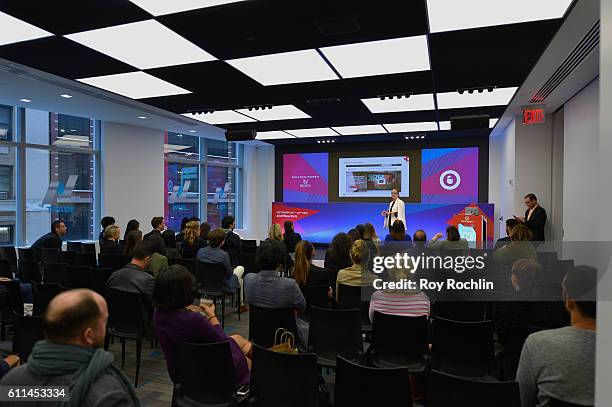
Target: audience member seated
(181, 235)
(105, 222)
(133, 224)
(192, 242)
(213, 254)
(560, 363)
(232, 240)
(204, 231)
(72, 354)
(520, 247)
(369, 233)
(354, 234)
(177, 320)
(361, 229)
(397, 233)
(52, 240)
(133, 277)
(275, 233)
(155, 237)
(502, 241)
(373, 244)
(131, 238)
(110, 244)
(291, 238)
(355, 275)
(170, 240)
(453, 241)
(419, 239)
(304, 272)
(411, 303)
(338, 256)
(266, 289)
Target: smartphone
(243, 391)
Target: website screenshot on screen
(373, 176)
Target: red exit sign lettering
(533, 115)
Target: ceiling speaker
(240, 135)
(469, 122)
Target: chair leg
(138, 354)
(222, 312)
(122, 352)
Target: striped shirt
(404, 304)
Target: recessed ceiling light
(133, 44)
(25, 100)
(192, 131)
(220, 117)
(66, 96)
(282, 112)
(15, 30)
(410, 104)
(135, 85)
(161, 7)
(449, 15)
(142, 117)
(272, 135)
(492, 123)
(318, 132)
(422, 137)
(379, 57)
(419, 126)
(365, 129)
(454, 100)
(287, 67)
(411, 137)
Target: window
(221, 194)
(6, 123)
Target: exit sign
(532, 115)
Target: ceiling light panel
(318, 132)
(454, 100)
(384, 57)
(282, 112)
(272, 135)
(450, 15)
(220, 117)
(408, 127)
(492, 123)
(354, 130)
(404, 104)
(445, 125)
(15, 30)
(287, 67)
(144, 44)
(161, 7)
(135, 85)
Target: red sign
(533, 115)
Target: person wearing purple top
(177, 320)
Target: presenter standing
(396, 210)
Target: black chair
(5, 269)
(74, 247)
(9, 254)
(356, 297)
(399, 341)
(316, 296)
(248, 249)
(79, 277)
(26, 253)
(42, 295)
(69, 257)
(283, 380)
(335, 332)
(190, 264)
(50, 255)
(332, 276)
(263, 323)
(219, 389)
(451, 252)
(559, 403)
(88, 248)
(514, 338)
(127, 319)
(29, 271)
(248, 242)
(13, 306)
(86, 259)
(466, 311)
(99, 278)
(211, 281)
(28, 331)
(112, 261)
(445, 390)
(462, 348)
(249, 262)
(55, 273)
(367, 386)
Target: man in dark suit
(232, 241)
(133, 277)
(52, 240)
(535, 217)
(502, 241)
(154, 237)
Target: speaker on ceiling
(240, 135)
(469, 122)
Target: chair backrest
(263, 323)
(86, 259)
(366, 386)
(448, 390)
(26, 253)
(316, 296)
(88, 248)
(6, 270)
(404, 336)
(28, 330)
(99, 279)
(52, 255)
(70, 257)
(112, 261)
(15, 300)
(462, 348)
(559, 403)
(126, 312)
(189, 264)
(282, 379)
(55, 273)
(349, 297)
(29, 271)
(214, 358)
(9, 254)
(467, 311)
(451, 252)
(211, 277)
(249, 262)
(42, 295)
(335, 332)
(248, 249)
(248, 242)
(79, 277)
(73, 247)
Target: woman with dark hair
(181, 235)
(131, 238)
(453, 242)
(204, 231)
(304, 272)
(397, 233)
(290, 237)
(133, 224)
(354, 234)
(520, 246)
(169, 237)
(338, 256)
(192, 242)
(177, 320)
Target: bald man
(75, 326)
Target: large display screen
(373, 176)
(305, 177)
(449, 175)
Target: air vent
(573, 60)
(337, 25)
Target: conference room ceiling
(320, 64)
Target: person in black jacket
(154, 237)
(110, 243)
(232, 240)
(105, 222)
(535, 218)
(52, 240)
(291, 238)
(181, 235)
(304, 272)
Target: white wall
(132, 174)
(502, 176)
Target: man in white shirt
(396, 210)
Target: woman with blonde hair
(356, 275)
(275, 233)
(192, 242)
